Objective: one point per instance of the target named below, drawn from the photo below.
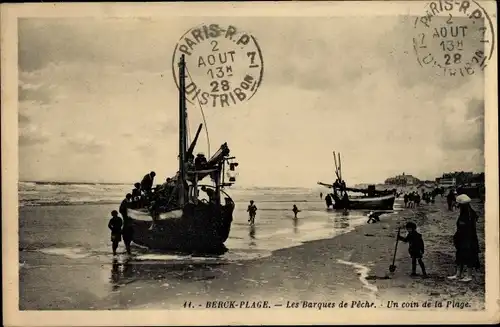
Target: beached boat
(372, 199)
(185, 222)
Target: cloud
(85, 144)
(31, 135)
(346, 84)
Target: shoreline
(350, 266)
(368, 250)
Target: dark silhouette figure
(415, 248)
(295, 211)
(328, 201)
(147, 183)
(374, 217)
(210, 193)
(136, 196)
(252, 211)
(321, 196)
(115, 225)
(125, 205)
(200, 162)
(128, 233)
(466, 241)
(450, 199)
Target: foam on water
(71, 253)
(362, 271)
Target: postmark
(454, 37)
(224, 65)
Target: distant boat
(372, 200)
(187, 223)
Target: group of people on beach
(121, 227)
(252, 212)
(465, 241)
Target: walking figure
(115, 225)
(295, 211)
(415, 248)
(252, 211)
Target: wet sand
(352, 266)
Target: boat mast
(182, 132)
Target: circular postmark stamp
(224, 65)
(455, 37)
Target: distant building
(446, 182)
(459, 178)
(402, 180)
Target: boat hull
(197, 228)
(385, 202)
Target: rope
(203, 116)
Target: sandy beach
(349, 266)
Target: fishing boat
(184, 222)
(342, 198)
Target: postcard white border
(13, 317)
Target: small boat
(186, 223)
(385, 202)
(371, 200)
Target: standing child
(252, 211)
(295, 211)
(115, 225)
(415, 248)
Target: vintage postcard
(250, 163)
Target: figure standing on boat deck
(210, 193)
(415, 248)
(252, 211)
(136, 196)
(295, 211)
(147, 183)
(115, 225)
(200, 162)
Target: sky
(98, 102)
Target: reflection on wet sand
(119, 277)
(129, 270)
(295, 225)
(251, 233)
(341, 222)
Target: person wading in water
(252, 211)
(115, 225)
(328, 201)
(295, 211)
(466, 241)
